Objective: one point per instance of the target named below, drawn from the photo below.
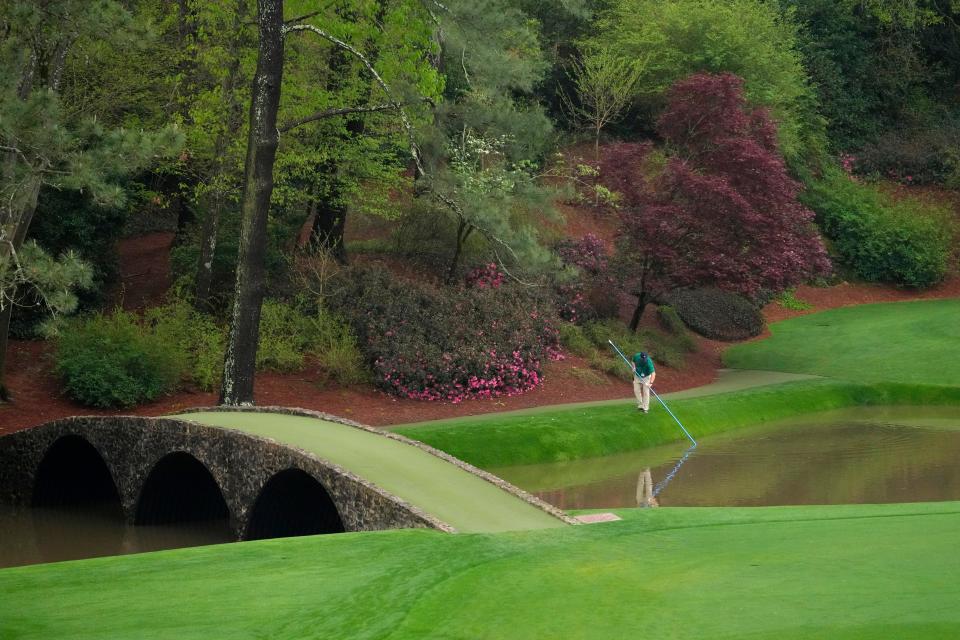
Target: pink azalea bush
(448, 344)
(486, 277)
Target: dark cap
(643, 355)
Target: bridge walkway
(454, 495)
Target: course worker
(643, 376)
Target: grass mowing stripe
(457, 497)
(911, 342)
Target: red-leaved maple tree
(720, 210)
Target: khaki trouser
(641, 389)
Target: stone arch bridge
(271, 472)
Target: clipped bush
(716, 314)
(197, 336)
(113, 361)
(447, 344)
(904, 243)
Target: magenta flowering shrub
(587, 297)
(486, 277)
(448, 344)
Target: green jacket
(644, 367)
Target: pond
(875, 455)
(31, 535)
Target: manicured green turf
(897, 342)
(440, 488)
(570, 434)
(878, 571)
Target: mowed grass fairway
(858, 572)
(903, 341)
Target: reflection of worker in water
(645, 497)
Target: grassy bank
(569, 434)
(784, 573)
(903, 342)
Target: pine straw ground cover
(848, 572)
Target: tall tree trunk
(241, 353)
(642, 300)
(5, 329)
(18, 222)
(208, 250)
(331, 215)
(464, 230)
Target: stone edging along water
(500, 483)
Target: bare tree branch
(414, 148)
(330, 113)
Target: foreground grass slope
(898, 342)
(784, 573)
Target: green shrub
(665, 349)
(904, 243)
(284, 336)
(575, 340)
(332, 344)
(670, 320)
(112, 361)
(199, 339)
(789, 300)
(717, 314)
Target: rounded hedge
(716, 314)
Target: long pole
(655, 394)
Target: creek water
(847, 457)
(31, 535)
(861, 456)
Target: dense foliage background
(713, 154)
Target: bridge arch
(73, 472)
(293, 503)
(180, 488)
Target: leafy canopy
(750, 38)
